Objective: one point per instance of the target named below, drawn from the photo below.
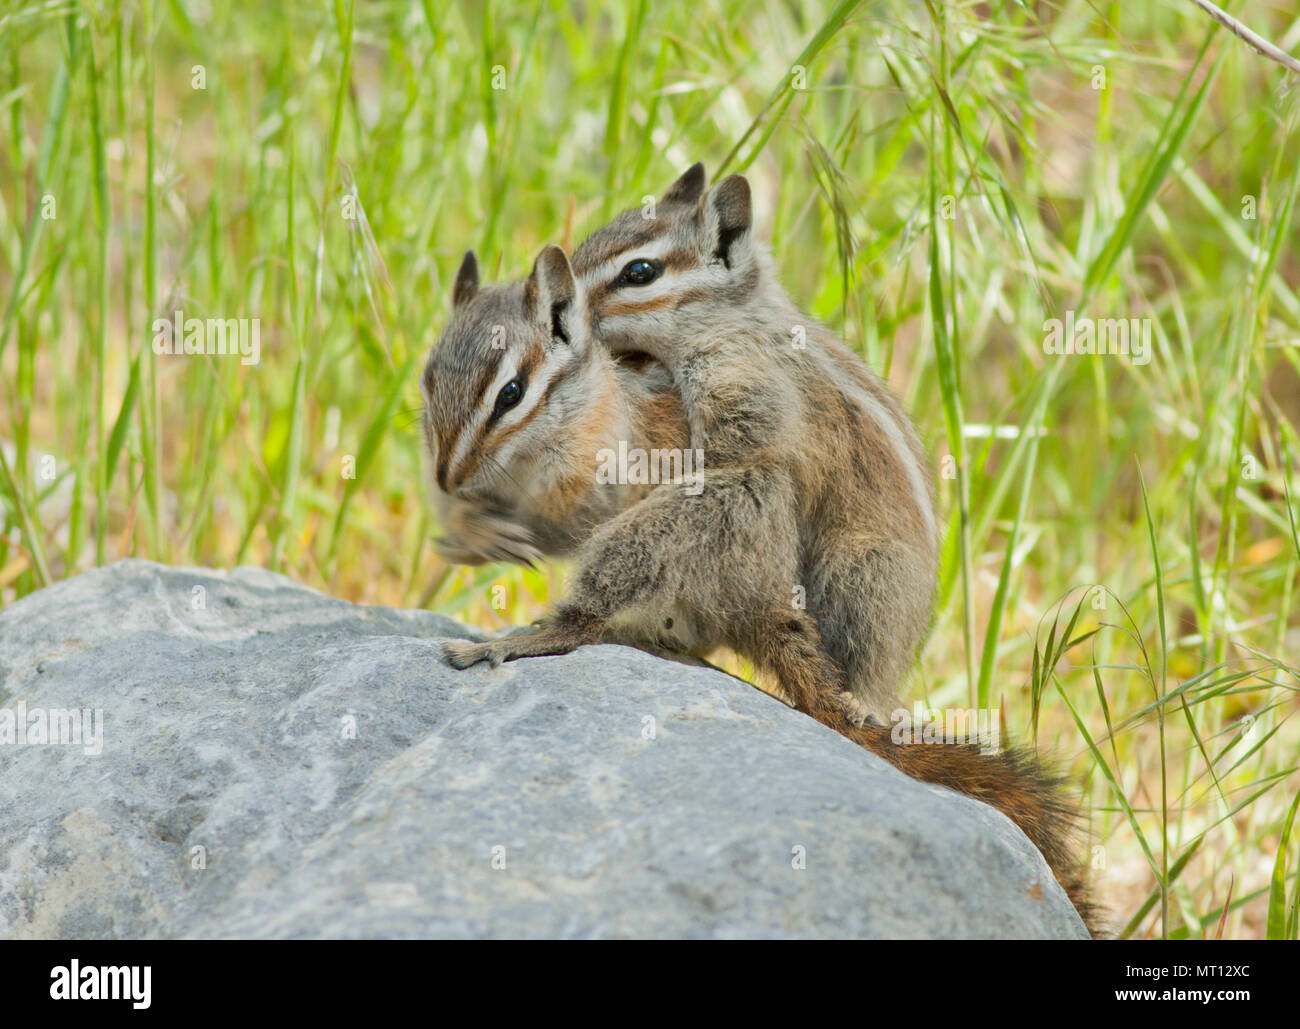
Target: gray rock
(276, 763)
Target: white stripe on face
(670, 283)
(533, 390)
(608, 272)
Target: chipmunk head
(671, 268)
(509, 371)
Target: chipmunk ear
(466, 281)
(729, 216)
(689, 188)
(551, 294)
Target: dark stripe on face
(446, 434)
(480, 450)
(675, 261)
(679, 260)
(532, 359)
(623, 306)
(611, 300)
(605, 245)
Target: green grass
(1120, 568)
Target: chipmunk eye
(639, 272)
(511, 393)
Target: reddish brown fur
(815, 454)
(1012, 781)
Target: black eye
(511, 393)
(639, 272)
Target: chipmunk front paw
(462, 655)
(475, 537)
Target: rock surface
(277, 763)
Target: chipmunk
(762, 380)
(530, 489)
(815, 479)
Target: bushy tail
(1012, 780)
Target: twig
(1241, 32)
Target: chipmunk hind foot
(863, 712)
(787, 646)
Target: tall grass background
(936, 180)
